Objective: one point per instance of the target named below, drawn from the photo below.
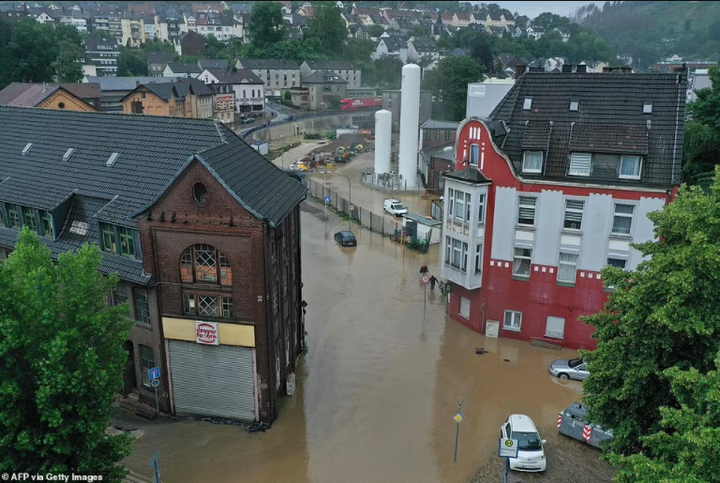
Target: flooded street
(379, 387)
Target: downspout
(677, 120)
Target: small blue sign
(327, 200)
(154, 373)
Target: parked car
(395, 207)
(247, 120)
(346, 238)
(569, 369)
(531, 452)
(573, 422)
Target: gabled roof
(154, 151)
(324, 77)
(213, 64)
(433, 124)
(160, 57)
(178, 68)
(241, 76)
(330, 65)
(394, 43)
(424, 44)
(268, 64)
(609, 122)
(31, 95)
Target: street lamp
(349, 193)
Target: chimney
(137, 83)
(582, 68)
(626, 69)
(520, 70)
(607, 70)
(567, 68)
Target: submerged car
(395, 207)
(346, 238)
(569, 369)
(531, 452)
(247, 120)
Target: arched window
(200, 264)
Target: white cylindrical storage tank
(409, 125)
(383, 138)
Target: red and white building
(556, 185)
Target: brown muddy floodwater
(380, 386)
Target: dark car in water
(346, 238)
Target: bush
(330, 135)
(312, 136)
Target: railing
(292, 118)
(366, 218)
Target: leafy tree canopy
(267, 26)
(449, 83)
(327, 26)
(61, 362)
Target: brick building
(202, 232)
(556, 185)
(52, 96)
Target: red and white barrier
(559, 421)
(587, 432)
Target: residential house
(42, 16)
(157, 61)
(104, 53)
(402, 24)
(497, 31)
(358, 31)
(134, 33)
(565, 36)
(108, 19)
(433, 133)
(278, 75)
(208, 7)
(434, 162)
(195, 241)
(391, 44)
(183, 98)
(13, 12)
(143, 8)
(347, 70)
(190, 44)
(247, 87)
(213, 64)
(462, 19)
(556, 185)
(423, 50)
(222, 26)
(114, 89)
(223, 102)
(46, 96)
(446, 19)
(182, 71)
(325, 89)
(535, 32)
(170, 26)
(73, 17)
(300, 97)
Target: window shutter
(555, 327)
(580, 164)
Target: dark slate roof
(609, 121)
(324, 77)
(394, 43)
(160, 57)
(111, 83)
(424, 44)
(241, 76)
(164, 91)
(469, 174)
(330, 65)
(184, 68)
(213, 64)
(154, 151)
(536, 136)
(268, 64)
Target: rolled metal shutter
(212, 380)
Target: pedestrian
(432, 282)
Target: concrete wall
(305, 126)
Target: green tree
(61, 363)
(30, 53)
(132, 62)
(287, 95)
(449, 83)
(662, 315)
(359, 50)
(701, 153)
(706, 109)
(267, 26)
(685, 449)
(328, 27)
(215, 49)
(375, 30)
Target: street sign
(327, 200)
(352, 207)
(459, 417)
(155, 382)
(425, 279)
(508, 448)
(154, 373)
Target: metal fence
(366, 218)
(291, 118)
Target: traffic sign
(154, 373)
(352, 207)
(459, 417)
(508, 448)
(155, 382)
(327, 200)
(425, 279)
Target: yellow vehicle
(300, 165)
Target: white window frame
(451, 200)
(647, 108)
(468, 204)
(575, 210)
(478, 258)
(567, 263)
(639, 165)
(524, 203)
(515, 318)
(522, 257)
(525, 169)
(576, 157)
(574, 105)
(456, 248)
(481, 209)
(463, 267)
(474, 149)
(622, 215)
(460, 205)
(527, 104)
(554, 334)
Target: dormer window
(647, 107)
(532, 162)
(630, 167)
(574, 105)
(580, 164)
(527, 105)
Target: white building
(248, 88)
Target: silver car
(569, 369)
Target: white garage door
(212, 380)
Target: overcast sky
(533, 9)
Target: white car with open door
(531, 453)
